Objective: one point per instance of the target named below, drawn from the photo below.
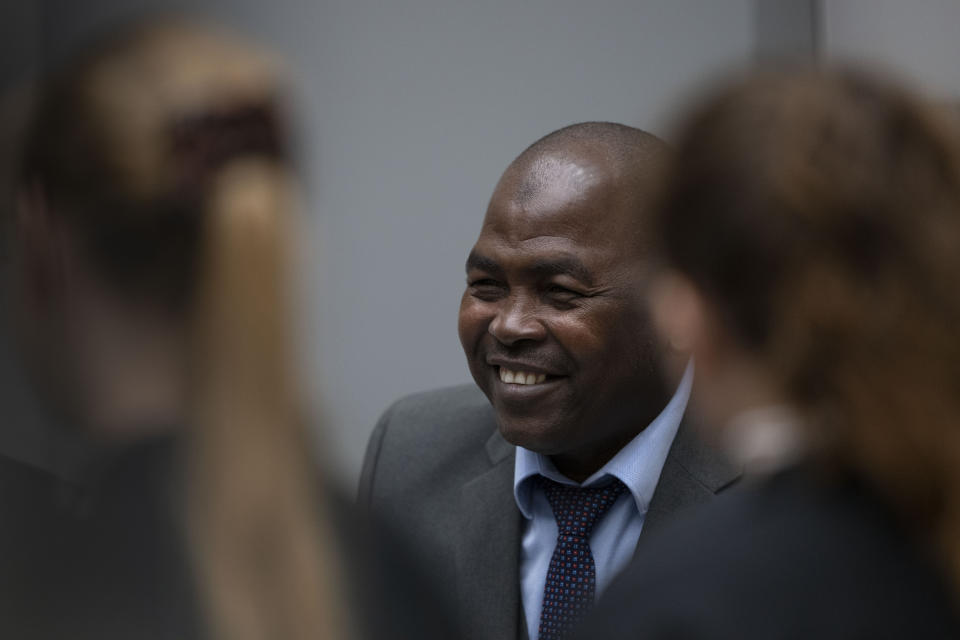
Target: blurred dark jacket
(109, 560)
(793, 556)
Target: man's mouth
(509, 376)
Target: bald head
(620, 153)
(589, 169)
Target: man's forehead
(553, 178)
(542, 255)
(533, 245)
(574, 215)
(539, 230)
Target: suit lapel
(692, 474)
(488, 555)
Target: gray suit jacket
(438, 469)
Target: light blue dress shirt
(614, 539)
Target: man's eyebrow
(542, 268)
(563, 266)
(480, 262)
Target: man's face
(553, 320)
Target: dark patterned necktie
(572, 575)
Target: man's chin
(533, 436)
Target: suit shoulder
(438, 434)
(439, 401)
(439, 415)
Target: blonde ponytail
(264, 558)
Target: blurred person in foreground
(810, 235)
(150, 295)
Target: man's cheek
(469, 326)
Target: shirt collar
(637, 465)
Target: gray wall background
(410, 109)
(920, 40)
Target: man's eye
(562, 293)
(486, 288)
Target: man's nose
(517, 320)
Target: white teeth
(521, 377)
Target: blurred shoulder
(383, 574)
(14, 474)
(791, 557)
(25, 486)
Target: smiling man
(528, 498)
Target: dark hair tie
(203, 143)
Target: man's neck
(581, 464)
(578, 467)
